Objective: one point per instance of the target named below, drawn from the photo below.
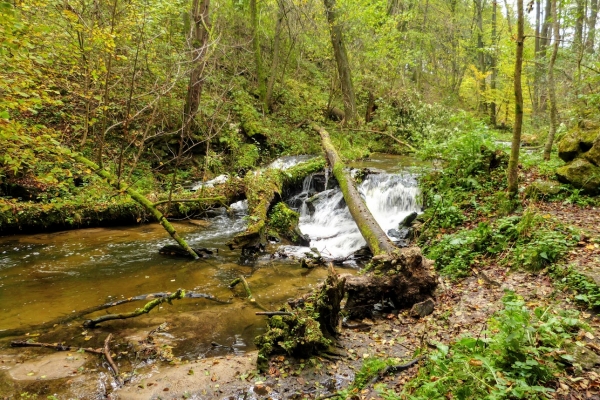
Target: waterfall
(325, 218)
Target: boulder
(587, 139)
(568, 147)
(593, 155)
(542, 188)
(406, 222)
(581, 174)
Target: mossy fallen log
(147, 204)
(91, 323)
(264, 188)
(376, 239)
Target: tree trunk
(260, 74)
(552, 84)
(376, 239)
(513, 163)
(494, 65)
(591, 35)
(546, 27)
(147, 204)
(579, 16)
(481, 56)
(275, 58)
(535, 101)
(341, 59)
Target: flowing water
(48, 276)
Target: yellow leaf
(476, 363)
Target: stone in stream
(177, 251)
(410, 218)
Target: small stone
(423, 308)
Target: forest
(385, 199)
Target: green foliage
(521, 352)
(527, 241)
(283, 219)
(588, 291)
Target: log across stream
(46, 276)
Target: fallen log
(91, 323)
(249, 294)
(401, 277)
(142, 200)
(263, 189)
(376, 239)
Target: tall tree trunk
(341, 59)
(546, 27)
(260, 73)
(494, 63)
(579, 15)
(275, 58)
(198, 44)
(591, 22)
(508, 19)
(513, 163)
(552, 84)
(538, 63)
(481, 56)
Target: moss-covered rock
(542, 188)
(568, 147)
(588, 138)
(581, 174)
(593, 155)
(285, 223)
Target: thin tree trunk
(341, 59)
(552, 84)
(376, 239)
(508, 19)
(275, 59)
(494, 66)
(513, 163)
(481, 56)
(579, 16)
(546, 27)
(106, 96)
(260, 74)
(591, 35)
(538, 65)
(147, 204)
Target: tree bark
(579, 16)
(275, 58)
(147, 204)
(494, 63)
(260, 74)
(513, 163)
(552, 84)
(376, 239)
(341, 59)
(481, 56)
(591, 35)
(198, 44)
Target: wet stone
(422, 309)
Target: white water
(333, 232)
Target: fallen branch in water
(79, 314)
(249, 295)
(91, 323)
(55, 346)
(109, 359)
(273, 313)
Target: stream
(51, 275)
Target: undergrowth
(519, 356)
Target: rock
(587, 139)
(199, 222)
(568, 147)
(177, 251)
(593, 155)
(582, 174)
(542, 188)
(399, 234)
(422, 309)
(406, 222)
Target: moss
(284, 221)
(248, 157)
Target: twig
(393, 369)
(272, 313)
(54, 346)
(110, 360)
